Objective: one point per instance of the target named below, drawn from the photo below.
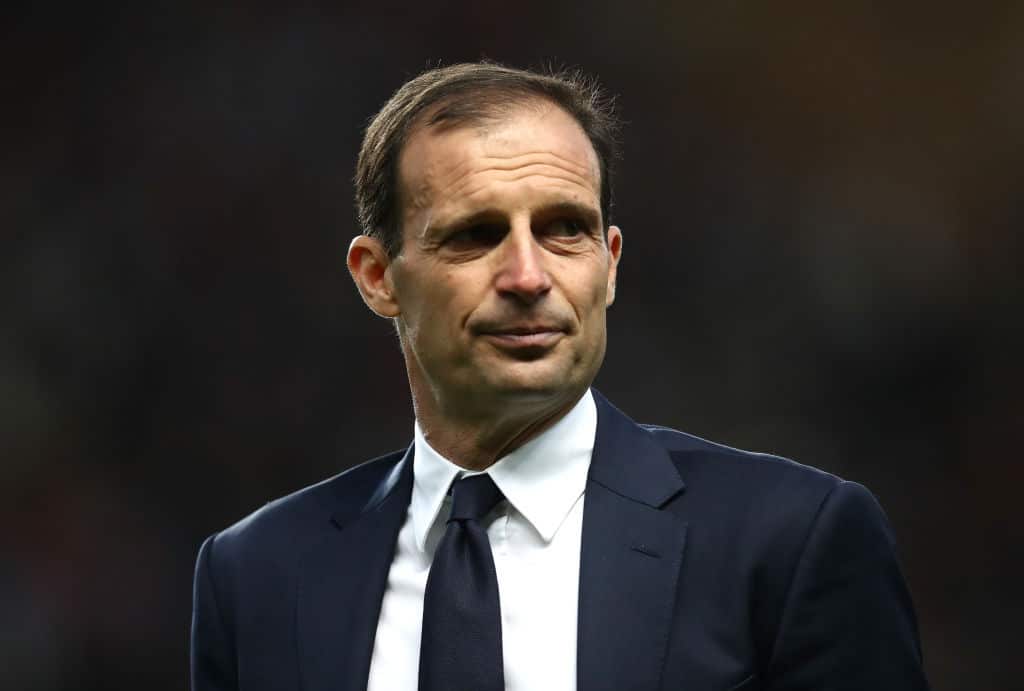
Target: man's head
(504, 265)
(467, 95)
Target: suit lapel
(342, 585)
(630, 558)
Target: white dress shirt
(535, 538)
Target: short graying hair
(462, 95)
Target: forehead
(536, 144)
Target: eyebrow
(585, 212)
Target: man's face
(505, 273)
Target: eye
(480, 235)
(566, 228)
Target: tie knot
(473, 497)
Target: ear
(614, 254)
(368, 262)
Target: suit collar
(363, 497)
(628, 461)
(630, 560)
(342, 581)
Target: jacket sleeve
(848, 623)
(212, 658)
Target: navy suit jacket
(703, 568)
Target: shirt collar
(542, 479)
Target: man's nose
(522, 272)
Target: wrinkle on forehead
(519, 165)
(470, 183)
(552, 180)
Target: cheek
(445, 300)
(596, 310)
(594, 290)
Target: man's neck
(478, 442)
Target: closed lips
(521, 330)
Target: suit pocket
(748, 684)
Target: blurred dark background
(823, 211)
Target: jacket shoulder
(701, 461)
(770, 499)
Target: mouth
(524, 337)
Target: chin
(537, 386)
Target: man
(532, 536)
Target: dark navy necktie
(460, 649)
